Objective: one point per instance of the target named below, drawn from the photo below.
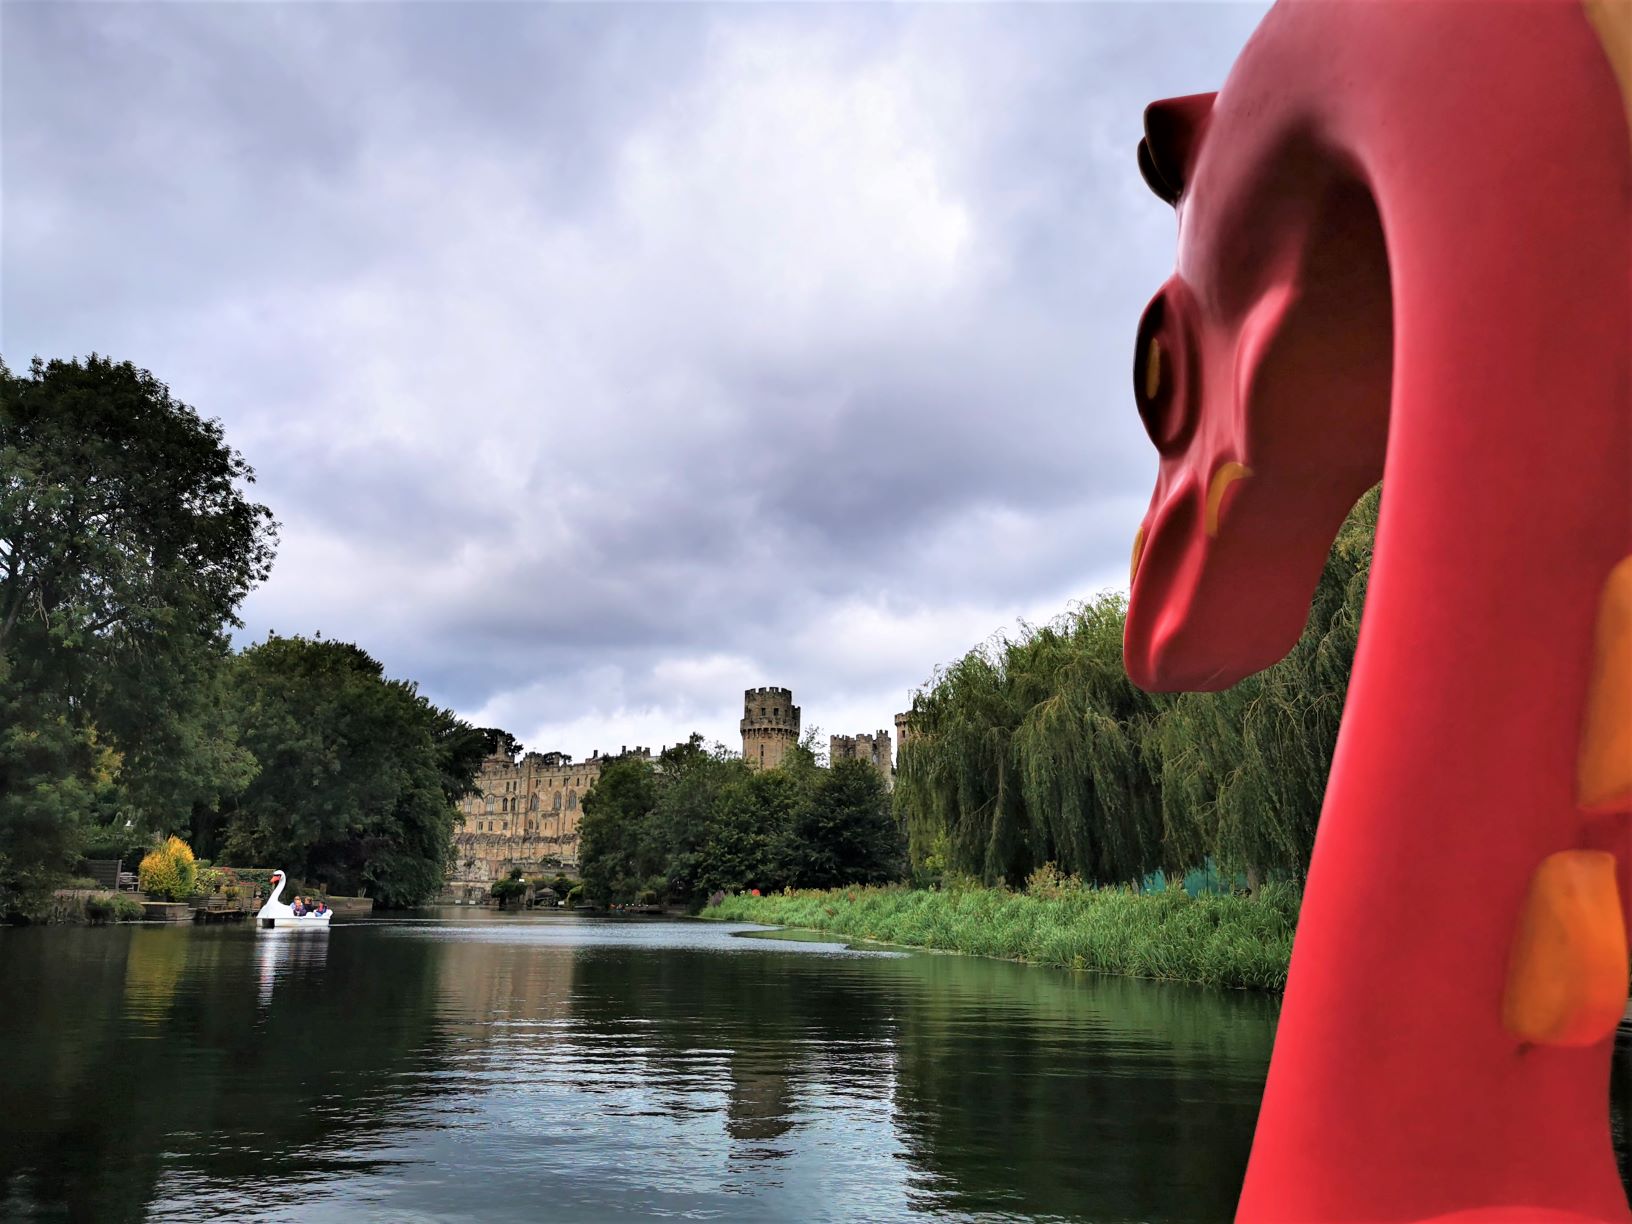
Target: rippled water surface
(468, 1066)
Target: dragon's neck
(1507, 500)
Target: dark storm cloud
(601, 361)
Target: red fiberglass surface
(1405, 254)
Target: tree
(506, 890)
(499, 742)
(358, 772)
(126, 545)
(1093, 801)
(847, 833)
(692, 780)
(958, 787)
(54, 776)
(750, 839)
(121, 519)
(1037, 749)
(614, 848)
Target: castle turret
(903, 726)
(874, 749)
(770, 726)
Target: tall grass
(1212, 940)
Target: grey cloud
(578, 344)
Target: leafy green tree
(750, 839)
(615, 846)
(847, 833)
(692, 781)
(54, 778)
(460, 751)
(960, 793)
(1036, 749)
(499, 741)
(121, 518)
(509, 889)
(358, 772)
(1092, 801)
(126, 545)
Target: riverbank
(1236, 942)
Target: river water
(473, 1066)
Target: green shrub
(169, 872)
(112, 907)
(505, 890)
(575, 896)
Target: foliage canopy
(360, 772)
(699, 821)
(1037, 749)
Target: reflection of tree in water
(1010, 1089)
(151, 1056)
(1045, 1092)
(753, 1024)
(143, 1064)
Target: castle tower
(874, 749)
(903, 725)
(770, 726)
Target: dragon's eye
(1160, 375)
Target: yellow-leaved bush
(169, 872)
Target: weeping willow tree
(955, 786)
(1028, 750)
(1079, 748)
(1243, 772)
(1037, 748)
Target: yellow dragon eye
(1153, 369)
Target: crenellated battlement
(769, 726)
(874, 749)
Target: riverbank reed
(1228, 941)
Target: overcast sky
(601, 361)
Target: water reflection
(557, 1068)
(283, 952)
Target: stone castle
(524, 813)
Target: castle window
(490, 804)
(572, 801)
